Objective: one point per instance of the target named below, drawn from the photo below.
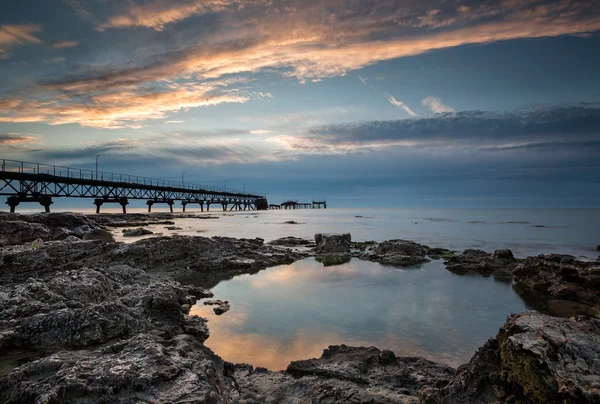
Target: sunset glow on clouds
(277, 80)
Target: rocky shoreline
(87, 320)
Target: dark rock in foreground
(534, 358)
(343, 374)
(100, 235)
(333, 243)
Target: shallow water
(565, 231)
(293, 312)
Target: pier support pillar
(46, 201)
(13, 202)
(124, 202)
(183, 203)
(201, 206)
(150, 203)
(224, 206)
(98, 203)
(170, 203)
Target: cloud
(125, 108)
(18, 141)
(259, 132)
(363, 80)
(14, 35)
(401, 105)
(436, 105)
(174, 122)
(65, 44)
(562, 128)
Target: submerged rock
(333, 259)
(534, 358)
(333, 243)
(173, 228)
(343, 374)
(140, 231)
(398, 253)
(222, 308)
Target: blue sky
(363, 102)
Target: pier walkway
(32, 182)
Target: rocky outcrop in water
(343, 374)
(291, 242)
(500, 264)
(560, 277)
(333, 243)
(398, 253)
(100, 235)
(534, 358)
(138, 232)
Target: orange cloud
(13, 35)
(65, 44)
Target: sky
(375, 103)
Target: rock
(560, 277)
(398, 253)
(72, 239)
(290, 241)
(99, 234)
(60, 234)
(82, 230)
(343, 374)
(136, 232)
(84, 307)
(500, 264)
(290, 222)
(144, 368)
(222, 308)
(333, 242)
(333, 259)
(534, 358)
(215, 302)
(439, 253)
(173, 228)
(13, 232)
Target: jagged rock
(560, 277)
(136, 232)
(398, 253)
(500, 264)
(333, 259)
(222, 308)
(60, 234)
(290, 222)
(82, 230)
(99, 234)
(215, 302)
(333, 243)
(145, 368)
(290, 241)
(343, 374)
(86, 306)
(534, 358)
(18, 232)
(173, 228)
(439, 253)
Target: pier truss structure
(33, 182)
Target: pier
(24, 182)
(294, 204)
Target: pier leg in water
(149, 203)
(124, 202)
(224, 207)
(13, 202)
(170, 203)
(98, 203)
(183, 203)
(201, 206)
(46, 201)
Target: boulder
(534, 358)
(140, 231)
(333, 242)
(173, 228)
(13, 232)
(99, 234)
(290, 241)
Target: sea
(292, 312)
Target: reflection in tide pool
(294, 311)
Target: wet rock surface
(397, 253)
(343, 374)
(333, 243)
(100, 235)
(329, 260)
(500, 264)
(560, 277)
(534, 359)
(291, 241)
